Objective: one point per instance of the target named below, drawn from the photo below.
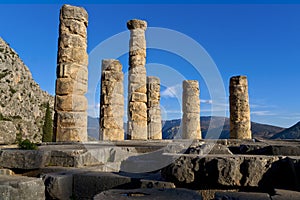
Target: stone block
(72, 70)
(136, 87)
(73, 55)
(111, 65)
(59, 185)
(87, 185)
(75, 134)
(72, 41)
(138, 97)
(241, 196)
(137, 130)
(65, 86)
(112, 122)
(112, 111)
(71, 119)
(73, 12)
(74, 103)
(23, 159)
(20, 187)
(112, 134)
(148, 194)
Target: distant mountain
(260, 131)
(289, 133)
(171, 128)
(22, 102)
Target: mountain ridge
(23, 102)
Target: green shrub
(27, 145)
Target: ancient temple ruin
(240, 123)
(70, 123)
(144, 117)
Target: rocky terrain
(23, 103)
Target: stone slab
(241, 196)
(149, 194)
(19, 187)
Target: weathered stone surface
(137, 97)
(71, 83)
(209, 148)
(285, 194)
(22, 100)
(153, 104)
(111, 101)
(241, 196)
(191, 110)
(23, 159)
(7, 132)
(59, 185)
(66, 86)
(19, 187)
(149, 194)
(214, 170)
(240, 124)
(72, 12)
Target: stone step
(20, 187)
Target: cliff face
(22, 102)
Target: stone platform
(213, 168)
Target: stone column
(137, 96)
(153, 104)
(240, 123)
(191, 110)
(71, 84)
(111, 101)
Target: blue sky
(260, 41)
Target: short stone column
(191, 110)
(240, 123)
(137, 96)
(153, 104)
(111, 101)
(70, 123)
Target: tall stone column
(154, 116)
(240, 123)
(111, 101)
(71, 84)
(191, 110)
(137, 96)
